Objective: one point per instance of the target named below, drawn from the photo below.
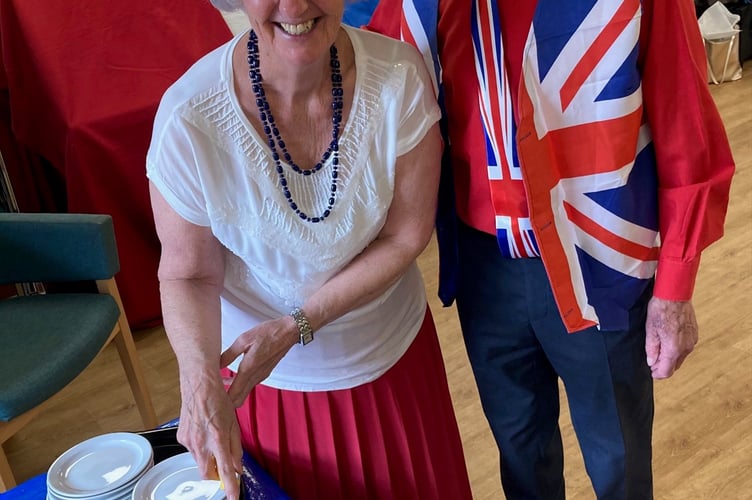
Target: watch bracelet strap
(304, 326)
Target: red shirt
(694, 161)
(465, 123)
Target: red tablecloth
(84, 79)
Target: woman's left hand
(262, 348)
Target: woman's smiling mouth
(297, 29)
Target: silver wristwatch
(304, 327)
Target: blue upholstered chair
(47, 340)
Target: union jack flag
(418, 28)
(513, 229)
(583, 141)
(579, 152)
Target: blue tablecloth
(258, 485)
(33, 489)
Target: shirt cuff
(675, 279)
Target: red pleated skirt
(393, 438)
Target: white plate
(124, 496)
(99, 465)
(176, 478)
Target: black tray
(164, 442)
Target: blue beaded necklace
(274, 139)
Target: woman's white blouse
(214, 170)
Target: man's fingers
(667, 363)
(663, 371)
(652, 347)
(671, 329)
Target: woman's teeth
(297, 29)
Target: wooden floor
(703, 427)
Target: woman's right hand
(191, 277)
(209, 429)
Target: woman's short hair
(228, 5)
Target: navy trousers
(518, 348)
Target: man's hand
(671, 335)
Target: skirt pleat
(393, 438)
(346, 450)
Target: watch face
(304, 327)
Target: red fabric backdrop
(80, 84)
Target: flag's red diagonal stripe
(596, 51)
(618, 243)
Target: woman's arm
(405, 234)
(191, 273)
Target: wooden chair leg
(7, 480)
(129, 358)
(8, 430)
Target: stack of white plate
(105, 467)
(177, 478)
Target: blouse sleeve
(420, 111)
(694, 161)
(172, 167)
